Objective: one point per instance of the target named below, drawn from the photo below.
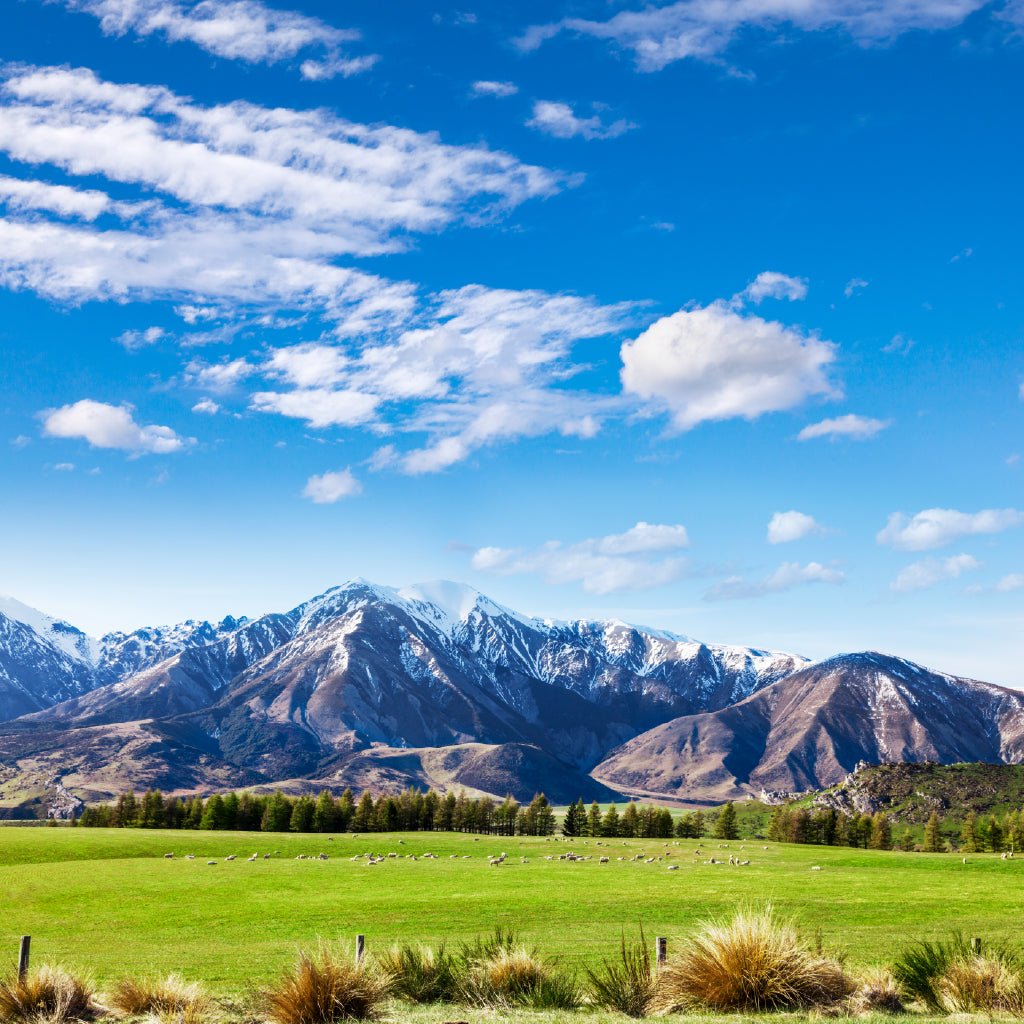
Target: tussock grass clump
(877, 990)
(918, 968)
(325, 986)
(984, 984)
(750, 962)
(421, 974)
(169, 998)
(46, 994)
(627, 984)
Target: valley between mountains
(436, 685)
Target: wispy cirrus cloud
(244, 30)
(705, 29)
(500, 90)
(937, 527)
(786, 577)
(642, 558)
(850, 426)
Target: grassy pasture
(109, 902)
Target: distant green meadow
(109, 902)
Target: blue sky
(701, 315)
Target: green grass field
(109, 902)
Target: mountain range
(437, 685)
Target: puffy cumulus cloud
(206, 406)
(110, 426)
(704, 29)
(218, 376)
(788, 526)
(930, 571)
(788, 576)
(331, 487)
(319, 407)
(937, 527)
(715, 363)
(770, 284)
(559, 120)
(236, 29)
(638, 559)
(850, 426)
(1005, 585)
(499, 89)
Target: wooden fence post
(661, 945)
(26, 941)
(360, 948)
(976, 946)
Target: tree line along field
(110, 902)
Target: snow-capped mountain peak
(65, 637)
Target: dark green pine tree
(932, 835)
(593, 825)
(571, 823)
(725, 826)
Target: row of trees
(410, 811)
(828, 827)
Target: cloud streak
(642, 558)
(937, 527)
(931, 571)
(786, 577)
(234, 29)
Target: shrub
(169, 998)
(323, 987)
(876, 990)
(46, 993)
(557, 992)
(628, 984)
(420, 974)
(919, 968)
(751, 962)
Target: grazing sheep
(230, 856)
(323, 856)
(253, 857)
(744, 863)
(673, 867)
(266, 856)
(817, 867)
(211, 862)
(603, 860)
(168, 856)
(190, 856)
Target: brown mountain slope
(810, 729)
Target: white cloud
(134, 340)
(319, 407)
(559, 120)
(110, 426)
(856, 428)
(714, 363)
(1010, 582)
(964, 254)
(854, 285)
(61, 199)
(498, 89)
(937, 527)
(898, 345)
(704, 29)
(235, 29)
(789, 526)
(65, 467)
(218, 376)
(21, 441)
(207, 407)
(331, 487)
(786, 577)
(929, 571)
(602, 565)
(770, 284)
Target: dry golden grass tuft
(750, 962)
(980, 984)
(877, 991)
(46, 994)
(325, 986)
(169, 999)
